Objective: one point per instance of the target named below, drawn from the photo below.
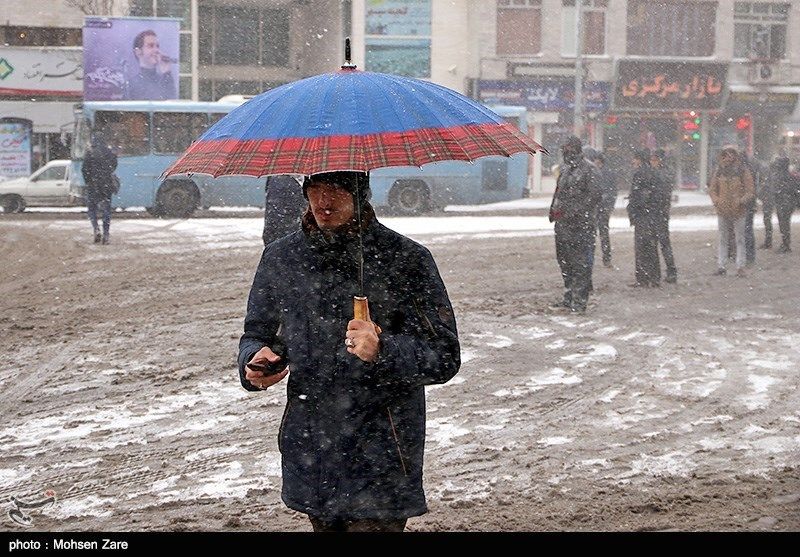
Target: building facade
(687, 76)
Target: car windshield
(52, 173)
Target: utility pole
(578, 119)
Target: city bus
(148, 136)
(413, 190)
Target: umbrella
(350, 120)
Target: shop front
(753, 120)
(667, 105)
(41, 85)
(551, 104)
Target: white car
(48, 186)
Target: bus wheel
(409, 198)
(13, 204)
(177, 199)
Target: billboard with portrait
(130, 58)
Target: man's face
(150, 54)
(655, 162)
(726, 158)
(332, 205)
(570, 154)
(636, 162)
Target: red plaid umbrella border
(311, 155)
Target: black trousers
(602, 230)
(662, 235)
(785, 223)
(362, 525)
(750, 235)
(648, 265)
(574, 247)
(767, 208)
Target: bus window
(129, 132)
(174, 132)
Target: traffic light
(691, 126)
(744, 123)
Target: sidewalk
(542, 202)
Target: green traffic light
(697, 121)
(695, 135)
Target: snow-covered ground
(669, 408)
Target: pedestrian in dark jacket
(353, 430)
(644, 212)
(574, 211)
(284, 206)
(787, 194)
(666, 181)
(607, 185)
(766, 195)
(99, 164)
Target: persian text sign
(660, 85)
(41, 72)
(15, 148)
(544, 94)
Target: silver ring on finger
(349, 342)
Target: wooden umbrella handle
(361, 308)
(361, 311)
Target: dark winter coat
(663, 197)
(764, 186)
(353, 433)
(607, 184)
(577, 196)
(785, 185)
(98, 167)
(284, 205)
(644, 200)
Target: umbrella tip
(348, 65)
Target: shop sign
(41, 72)
(544, 95)
(668, 86)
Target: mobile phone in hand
(267, 369)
